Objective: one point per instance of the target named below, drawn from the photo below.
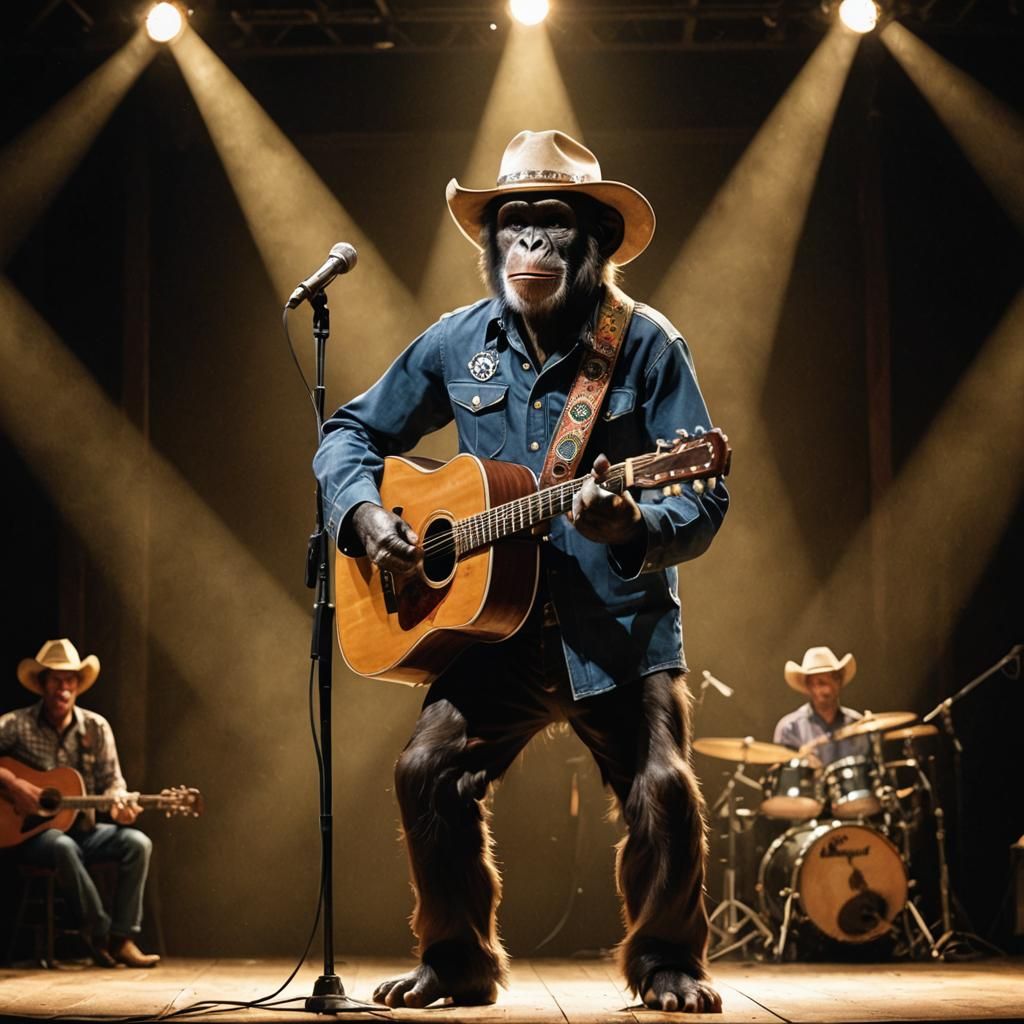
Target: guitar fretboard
(524, 513)
(104, 803)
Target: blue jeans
(69, 853)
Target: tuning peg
(698, 486)
(682, 433)
(712, 482)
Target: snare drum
(847, 880)
(852, 785)
(792, 789)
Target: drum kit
(841, 870)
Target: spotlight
(859, 15)
(529, 12)
(165, 22)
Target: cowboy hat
(552, 161)
(816, 661)
(59, 656)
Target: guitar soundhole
(438, 552)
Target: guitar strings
(483, 528)
(475, 531)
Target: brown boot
(124, 951)
(97, 946)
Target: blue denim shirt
(618, 610)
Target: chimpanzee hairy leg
(660, 863)
(470, 730)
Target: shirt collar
(842, 718)
(76, 724)
(505, 322)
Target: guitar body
(408, 630)
(16, 829)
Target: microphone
(710, 680)
(341, 260)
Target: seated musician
(809, 729)
(53, 733)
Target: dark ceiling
(295, 27)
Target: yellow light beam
(527, 93)
(725, 291)
(34, 167)
(729, 281)
(989, 132)
(947, 511)
(224, 622)
(293, 216)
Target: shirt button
(534, 445)
(538, 404)
(475, 400)
(526, 366)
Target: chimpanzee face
(538, 241)
(546, 249)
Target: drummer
(809, 729)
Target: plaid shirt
(87, 745)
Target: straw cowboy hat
(816, 661)
(552, 161)
(60, 656)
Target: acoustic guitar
(63, 796)
(477, 520)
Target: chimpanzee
(602, 647)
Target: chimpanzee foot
(422, 986)
(670, 989)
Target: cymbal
(874, 723)
(745, 749)
(912, 732)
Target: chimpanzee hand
(390, 542)
(601, 515)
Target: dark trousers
(69, 853)
(476, 719)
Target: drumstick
(811, 744)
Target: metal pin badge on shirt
(484, 365)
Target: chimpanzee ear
(611, 229)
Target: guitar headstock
(183, 800)
(704, 456)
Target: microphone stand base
(329, 997)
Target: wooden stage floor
(541, 992)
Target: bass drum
(847, 880)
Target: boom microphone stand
(951, 940)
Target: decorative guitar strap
(588, 390)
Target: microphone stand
(328, 992)
(950, 939)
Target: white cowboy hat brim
(29, 671)
(467, 207)
(796, 675)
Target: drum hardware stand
(787, 915)
(733, 914)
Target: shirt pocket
(480, 416)
(621, 436)
(620, 402)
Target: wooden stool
(43, 910)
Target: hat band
(562, 176)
